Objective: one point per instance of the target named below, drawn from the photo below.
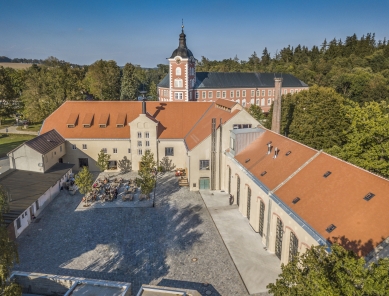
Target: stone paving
(173, 244)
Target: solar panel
(296, 200)
(327, 174)
(369, 196)
(330, 228)
(263, 173)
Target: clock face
(178, 60)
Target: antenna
(182, 25)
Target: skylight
(263, 173)
(247, 160)
(330, 228)
(287, 153)
(327, 174)
(296, 200)
(369, 196)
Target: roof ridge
(349, 163)
(197, 122)
(296, 171)
(290, 139)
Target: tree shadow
(120, 244)
(202, 288)
(360, 248)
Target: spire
(182, 42)
(182, 26)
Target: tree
(8, 252)
(124, 165)
(367, 138)
(103, 80)
(146, 173)
(338, 272)
(153, 93)
(8, 103)
(130, 83)
(166, 164)
(84, 180)
(256, 112)
(318, 118)
(102, 160)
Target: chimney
(143, 106)
(276, 120)
(276, 150)
(269, 147)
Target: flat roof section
(26, 187)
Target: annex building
(183, 83)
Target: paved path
(256, 266)
(174, 244)
(13, 130)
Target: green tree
(367, 138)
(153, 93)
(84, 180)
(318, 118)
(103, 80)
(130, 83)
(166, 164)
(125, 165)
(146, 173)
(8, 102)
(338, 272)
(8, 252)
(102, 160)
(256, 112)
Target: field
(11, 141)
(15, 65)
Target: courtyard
(173, 244)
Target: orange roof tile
(338, 199)
(176, 120)
(225, 103)
(280, 168)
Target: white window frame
(140, 152)
(263, 101)
(139, 135)
(147, 143)
(197, 95)
(203, 166)
(204, 95)
(252, 93)
(114, 150)
(224, 94)
(238, 93)
(147, 135)
(269, 102)
(178, 71)
(231, 94)
(74, 147)
(178, 95)
(84, 147)
(210, 95)
(104, 150)
(178, 82)
(167, 151)
(218, 94)
(269, 92)
(243, 93)
(139, 144)
(257, 102)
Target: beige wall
(26, 158)
(305, 240)
(179, 148)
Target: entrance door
(204, 183)
(279, 234)
(83, 162)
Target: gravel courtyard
(174, 244)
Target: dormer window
(72, 120)
(88, 119)
(178, 71)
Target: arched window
(257, 102)
(248, 202)
(279, 234)
(261, 217)
(178, 82)
(263, 102)
(244, 102)
(178, 71)
(293, 246)
(237, 189)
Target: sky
(146, 32)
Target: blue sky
(146, 32)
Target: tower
(182, 72)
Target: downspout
(220, 156)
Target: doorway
(204, 183)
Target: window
(178, 82)
(252, 102)
(197, 94)
(209, 95)
(244, 102)
(248, 202)
(232, 144)
(84, 146)
(293, 246)
(237, 190)
(139, 151)
(147, 143)
(285, 91)
(104, 150)
(232, 94)
(204, 94)
(237, 93)
(238, 126)
(269, 92)
(18, 223)
(261, 218)
(178, 71)
(224, 94)
(263, 92)
(115, 150)
(139, 143)
(204, 164)
(257, 102)
(291, 91)
(178, 95)
(243, 93)
(129, 150)
(74, 147)
(279, 234)
(263, 102)
(147, 135)
(268, 102)
(60, 148)
(218, 94)
(139, 135)
(169, 151)
(252, 93)
(37, 205)
(258, 93)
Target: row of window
(293, 240)
(179, 83)
(169, 151)
(178, 71)
(146, 134)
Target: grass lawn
(6, 122)
(31, 128)
(11, 141)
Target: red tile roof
(176, 120)
(338, 199)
